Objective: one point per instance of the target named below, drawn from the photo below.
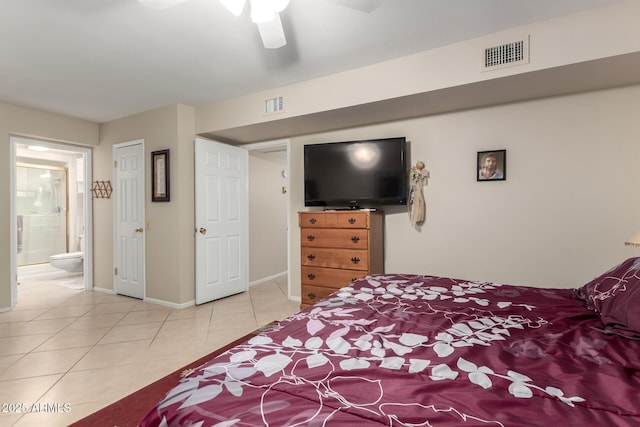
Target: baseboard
(268, 278)
(104, 290)
(170, 304)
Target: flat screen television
(356, 174)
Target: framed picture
(492, 165)
(160, 176)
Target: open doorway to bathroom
(51, 206)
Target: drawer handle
(353, 279)
(311, 276)
(311, 257)
(355, 260)
(355, 239)
(311, 295)
(311, 237)
(312, 220)
(352, 220)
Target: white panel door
(129, 220)
(222, 220)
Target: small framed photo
(160, 176)
(492, 165)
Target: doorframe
(114, 225)
(280, 143)
(87, 152)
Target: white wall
(559, 219)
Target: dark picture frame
(491, 165)
(160, 176)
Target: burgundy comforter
(413, 350)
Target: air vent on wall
(506, 55)
(273, 105)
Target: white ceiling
(104, 59)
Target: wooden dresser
(336, 248)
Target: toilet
(72, 262)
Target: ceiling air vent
(505, 55)
(273, 105)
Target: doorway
(269, 211)
(51, 204)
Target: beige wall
(169, 227)
(26, 122)
(267, 216)
(559, 219)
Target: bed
(415, 350)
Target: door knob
(138, 230)
(202, 230)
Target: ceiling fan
(264, 13)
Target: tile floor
(85, 350)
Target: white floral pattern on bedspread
(407, 350)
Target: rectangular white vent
(514, 53)
(273, 105)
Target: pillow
(615, 296)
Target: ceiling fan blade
(159, 4)
(272, 33)
(366, 6)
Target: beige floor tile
(10, 419)
(264, 317)
(196, 326)
(233, 321)
(6, 361)
(44, 326)
(243, 296)
(90, 386)
(43, 363)
(21, 344)
(27, 390)
(223, 309)
(9, 329)
(106, 346)
(65, 311)
(73, 338)
(124, 333)
(219, 338)
(106, 355)
(145, 316)
(203, 310)
(96, 321)
(113, 307)
(18, 315)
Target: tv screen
(356, 174)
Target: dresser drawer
(354, 259)
(334, 238)
(338, 247)
(312, 219)
(329, 277)
(337, 219)
(356, 219)
(312, 294)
